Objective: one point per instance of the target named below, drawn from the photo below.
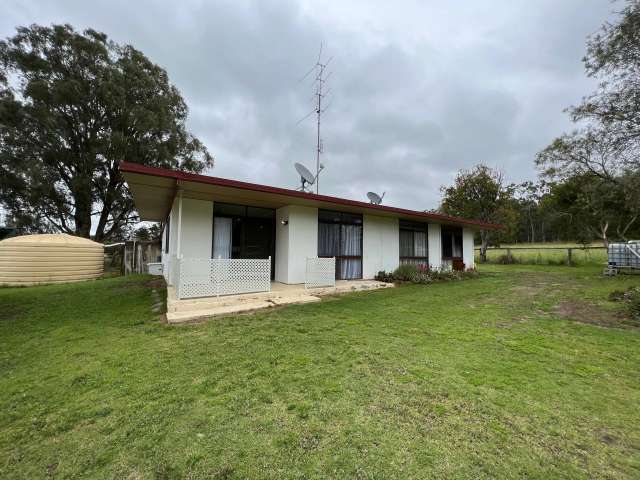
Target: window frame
(454, 232)
(413, 227)
(343, 218)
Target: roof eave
(179, 176)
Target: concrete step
(177, 317)
(187, 309)
(185, 315)
(288, 299)
(231, 302)
(211, 302)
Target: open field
(525, 372)
(548, 254)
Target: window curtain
(406, 243)
(419, 244)
(457, 245)
(328, 239)
(222, 237)
(351, 245)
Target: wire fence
(546, 255)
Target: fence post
(569, 250)
(269, 275)
(509, 256)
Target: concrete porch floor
(281, 294)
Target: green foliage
(633, 298)
(421, 274)
(406, 273)
(72, 106)
(505, 259)
(601, 157)
(480, 193)
(630, 297)
(613, 57)
(383, 276)
(151, 232)
(405, 382)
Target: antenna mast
(320, 69)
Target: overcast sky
(419, 89)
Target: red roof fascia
(225, 182)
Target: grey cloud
(419, 89)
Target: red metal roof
(225, 182)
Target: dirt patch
(156, 283)
(51, 469)
(585, 312)
(608, 439)
(527, 290)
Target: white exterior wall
(467, 248)
(380, 245)
(196, 236)
(173, 240)
(282, 245)
(295, 242)
(434, 239)
(197, 226)
(163, 257)
(298, 240)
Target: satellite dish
(306, 177)
(374, 198)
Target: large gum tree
(72, 106)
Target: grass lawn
(527, 371)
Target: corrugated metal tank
(49, 258)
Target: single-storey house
(225, 236)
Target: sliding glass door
(340, 236)
(240, 231)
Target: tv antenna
(374, 198)
(307, 179)
(321, 77)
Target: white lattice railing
(210, 277)
(321, 272)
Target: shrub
(421, 274)
(383, 276)
(406, 273)
(631, 298)
(616, 296)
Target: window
(451, 242)
(413, 243)
(340, 236)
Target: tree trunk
(83, 203)
(603, 234)
(109, 196)
(484, 238)
(623, 233)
